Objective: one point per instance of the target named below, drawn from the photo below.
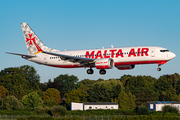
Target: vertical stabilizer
(33, 43)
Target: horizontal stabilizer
(23, 55)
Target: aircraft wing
(23, 55)
(82, 61)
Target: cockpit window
(164, 50)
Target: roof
(176, 102)
(164, 102)
(96, 103)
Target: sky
(89, 24)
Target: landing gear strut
(102, 71)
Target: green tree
(11, 103)
(171, 94)
(166, 86)
(53, 94)
(124, 78)
(19, 80)
(64, 83)
(49, 102)
(123, 100)
(28, 72)
(143, 110)
(31, 76)
(59, 110)
(86, 84)
(15, 83)
(132, 99)
(31, 100)
(104, 91)
(143, 88)
(3, 92)
(75, 96)
(143, 95)
(163, 84)
(175, 78)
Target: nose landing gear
(158, 69)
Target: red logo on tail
(30, 39)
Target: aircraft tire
(158, 69)
(90, 71)
(102, 71)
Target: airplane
(124, 58)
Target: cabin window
(164, 50)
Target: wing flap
(71, 58)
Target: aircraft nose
(172, 55)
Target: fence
(14, 117)
(99, 117)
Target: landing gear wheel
(102, 71)
(90, 71)
(158, 69)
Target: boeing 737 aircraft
(122, 58)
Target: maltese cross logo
(30, 39)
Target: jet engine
(106, 63)
(125, 67)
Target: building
(157, 105)
(91, 105)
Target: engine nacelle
(106, 63)
(125, 67)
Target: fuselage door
(45, 58)
(153, 52)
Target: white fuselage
(121, 56)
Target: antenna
(112, 46)
(102, 47)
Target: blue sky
(86, 24)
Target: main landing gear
(102, 71)
(90, 71)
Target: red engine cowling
(106, 63)
(125, 67)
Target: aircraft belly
(136, 60)
(63, 64)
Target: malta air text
(115, 53)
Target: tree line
(20, 87)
